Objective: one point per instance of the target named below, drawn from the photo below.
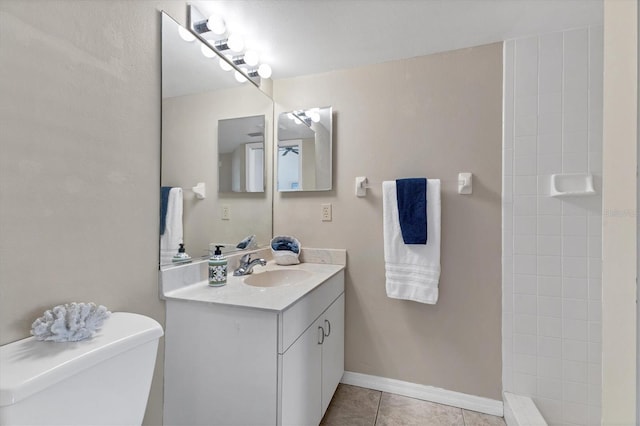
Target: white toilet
(100, 381)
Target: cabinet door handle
(321, 337)
(328, 324)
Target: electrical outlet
(326, 212)
(226, 213)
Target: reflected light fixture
(240, 78)
(313, 114)
(224, 64)
(185, 34)
(207, 51)
(302, 117)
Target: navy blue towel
(164, 202)
(412, 209)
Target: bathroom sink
(277, 278)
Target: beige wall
(431, 116)
(79, 159)
(619, 231)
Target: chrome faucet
(246, 265)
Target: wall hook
(465, 183)
(362, 183)
(200, 191)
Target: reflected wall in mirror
(241, 154)
(197, 95)
(304, 150)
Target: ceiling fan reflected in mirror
(287, 149)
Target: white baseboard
(520, 410)
(426, 393)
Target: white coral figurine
(69, 322)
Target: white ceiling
(300, 37)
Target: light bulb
(314, 116)
(216, 24)
(251, 58)
(224, 64)
(186, 34)
(290, 116)
(264, 71)
(297, 120)
(206, 51)
(235, 43)
(240, 78)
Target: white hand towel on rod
(412, 270)
(172, 237)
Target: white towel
(172, 237)
(412, 270)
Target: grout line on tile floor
(375, 421)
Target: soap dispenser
(217, 268)
(181, 256)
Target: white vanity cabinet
(239, 365)
(312, 367)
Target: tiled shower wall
(552, 246)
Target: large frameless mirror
(305, 150)
(200, 101)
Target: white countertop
(237, 293)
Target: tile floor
(355, 406)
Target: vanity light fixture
(238, 60)
(234, 43)
(263, 71)
(251, 58)
(215, 24)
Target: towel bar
(464, 183)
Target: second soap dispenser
(181, 256)
(217, 268)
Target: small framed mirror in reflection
(241, 154)
(305, 150)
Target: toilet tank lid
(29, 366)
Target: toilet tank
(100, 381)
